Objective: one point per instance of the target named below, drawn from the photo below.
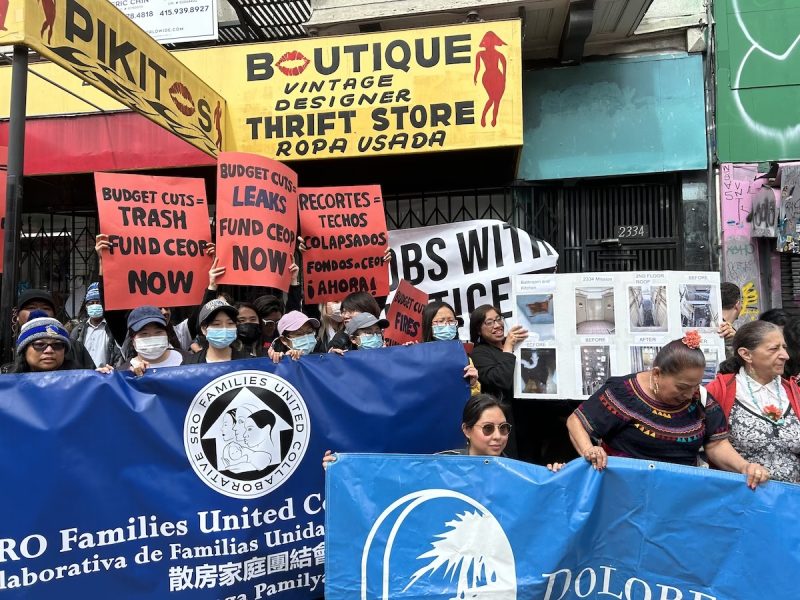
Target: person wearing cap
(440, 323)
(42, 300)
(297, 336)
(148, 331)
(353, 304)
(366, 331)
(94, 332)
(217, 322)
(42, 345)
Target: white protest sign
(467, 264)
(585, 327)
(173, 21)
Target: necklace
(770, 411)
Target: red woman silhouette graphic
(494, 74)
(3, 13)
(49, 9)
(218, 125)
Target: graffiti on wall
(789, 222)
(742, 195)
(757, 52)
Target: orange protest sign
(3, 175)
(256, 219)
(405, 315)
(345, 233)
(159, 234)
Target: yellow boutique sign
(99, 44)
(424, 90)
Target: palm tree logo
(473, 547)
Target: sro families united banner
(201, 482)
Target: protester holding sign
(659, 415)
(217, 321)
(148, 330)
(439, 322)
(493, 355)
(761, 406)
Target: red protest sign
(256, 219)
(345, 233)
(2, 217)
(405, 315)
(159, 233)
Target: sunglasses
(269, 323)
(41, 346)
(503, 428)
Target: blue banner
(462, 527)
(201, 481)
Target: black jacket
(113, 354)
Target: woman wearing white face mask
(332, 322)
(217, 322)
(148, 330)
(440, 323)
(297, 336)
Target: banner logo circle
(246, 432)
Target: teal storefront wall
(615, 117)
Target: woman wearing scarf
(762, 406)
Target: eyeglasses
(503, 428)
(446, 322)
(269, 323)
(41, 346)
(493, 322)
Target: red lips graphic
(182, 98)
(292, 63)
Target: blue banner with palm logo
(204, 481)
(412, 527)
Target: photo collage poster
(585, 327)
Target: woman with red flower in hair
(658, 415)
(762, 406)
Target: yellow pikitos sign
(425, 90)
(99, 44)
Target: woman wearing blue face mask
(440, 323)
(366, 331)
(217, 322)
(297, 336)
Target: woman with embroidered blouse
(658, 415)
(762, 406)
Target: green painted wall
(758, 80)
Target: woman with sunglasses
(42, 346)
(485, 426)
